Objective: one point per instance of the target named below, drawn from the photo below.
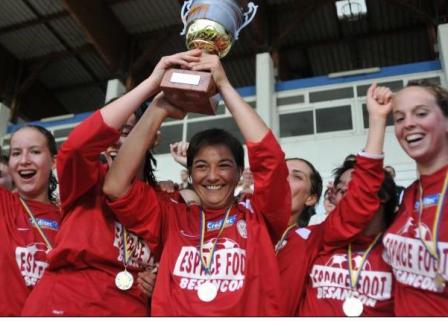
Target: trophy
(212, 26)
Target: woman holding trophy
(217, 258)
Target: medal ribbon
(284, 235)
(208, 263)
(431, 247)
(34, 221)
(127, 254)
(354, 277)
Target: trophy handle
(184, 13)
(248, 17)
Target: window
(220, 110)
(6, 141)
(332, 94)
(64, 132)
(223, 123)
(393, 85)
(333, 119)
(290, 100)
(365, 117)
(297, 124)
(434, 80)
(169, 134)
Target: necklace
(34, 221)
(353, 306)
(431, 245)
(279, 244)
(124, 279)
(208, 291)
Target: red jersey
(243, 267)
(23, 257)
(413, 266)
(295, 259)
(323, 271)
(89, 248)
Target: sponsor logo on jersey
(139, 250)
(428, 201)
(411, 262)
(31, 261)
(46, 224)
(332, 280)
(216, 225)
(226, 270)
(242, 228)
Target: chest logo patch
(242, 228)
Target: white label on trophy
(187, 79)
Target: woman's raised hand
(179, 152)
(379, 101)
(181, 59)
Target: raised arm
(118, 111)
(249, 122)
(125, 167)
(272, 196)
(356, 209)
(379, 105)
(78, 166)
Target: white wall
(325, 154)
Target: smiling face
(215, 174)
(421, 128)
(30, 163)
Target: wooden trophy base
(190, 91)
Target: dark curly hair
(387, 192)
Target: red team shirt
(314, 262)
(89, 253)
(413, 266)
(244, 265)
(23, 257)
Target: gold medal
(353, 307)
(124, 280)
(439, 280)
(207, 291)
